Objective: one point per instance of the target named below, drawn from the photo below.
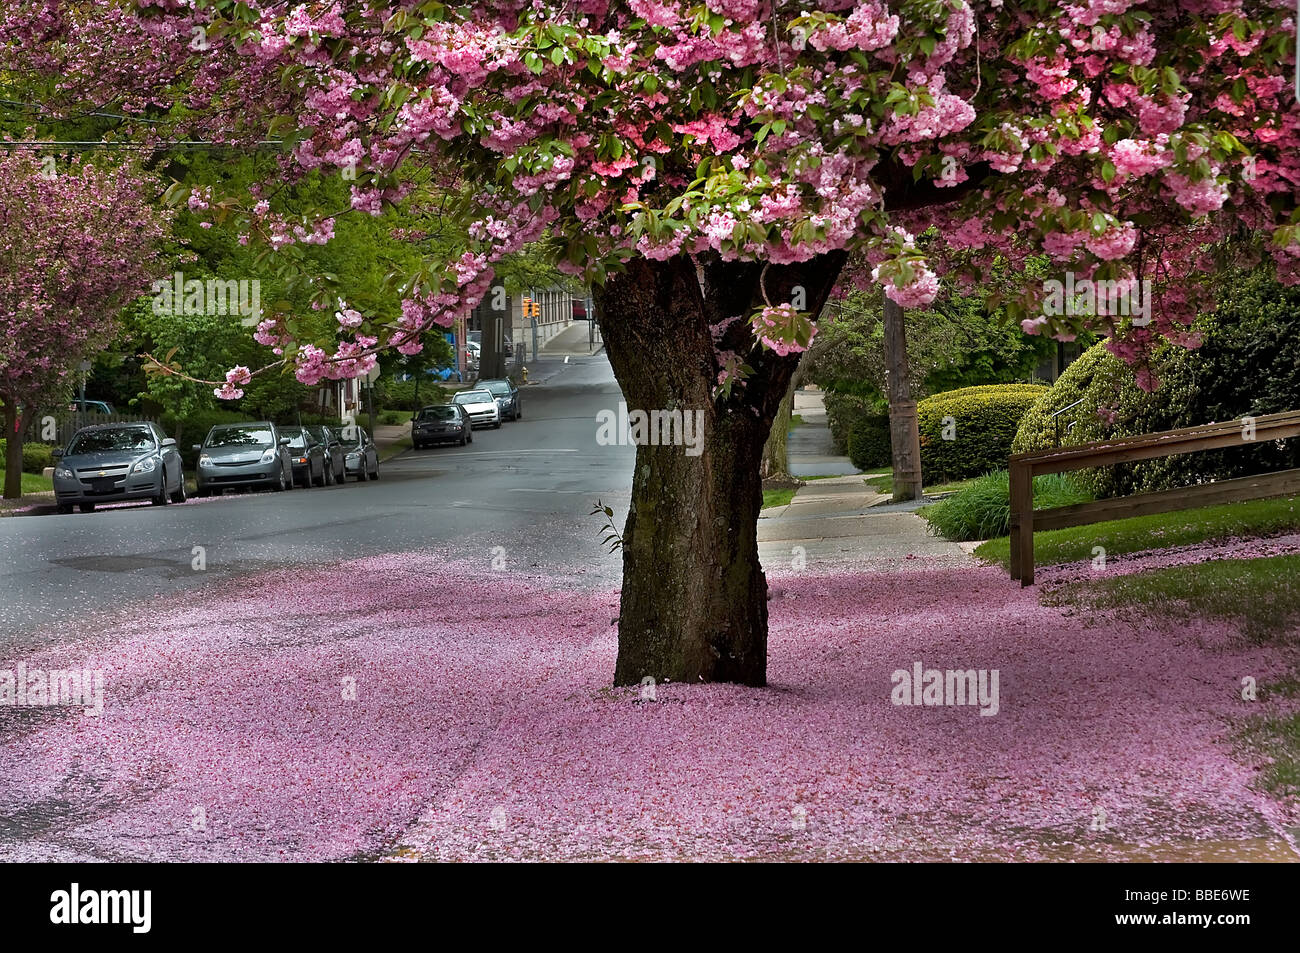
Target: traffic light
(537, 310)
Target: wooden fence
(1233, 433)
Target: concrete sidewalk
(810, 451)
(575, 340)
(841, 519)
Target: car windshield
(297, 438)
(101, 441)
(240, 437)
(473, 397)
(354, 437)
(437, 413)
(500, 388)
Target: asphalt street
(527, 488)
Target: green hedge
(983, 426)
(36, 456)
(1248, 364)
(869, 446)
(842, 411)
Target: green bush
(391, 418)
(983, 509)
(1248, 364)
(869, 446)
(36, 456)
(982, 427)
(842, 411)
(400, 395)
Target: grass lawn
(795, 420)
(1206, 524)
(393, 449)
(777, 497)
(882, 481)
(33, 483)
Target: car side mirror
(169, 442)
(284, 441)
(196, 447)
(56, 453)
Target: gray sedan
(109, 463)
(244, 455)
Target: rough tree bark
(904, 427)
(694, 599)
(14, 426)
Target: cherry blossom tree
(711, 168)
(77, 241)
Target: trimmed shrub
(983, 425)
(869, 445)
(1248, 364)
(983, 509)
(842, 410)
(36, 456)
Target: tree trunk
(694, 598)
(904, 428)
(13, 452)
(775, 465)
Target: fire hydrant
(524, 374)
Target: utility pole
(904, 428)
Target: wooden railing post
(1022, 523)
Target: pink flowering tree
(711, 167)
(77, 242)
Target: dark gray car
(508, 398)
(360, 454)
(306, 455)
(109, 463)
(335, 466)
(253, 454)
(441, 423)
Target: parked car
(507, 395)
(481, 407)
(475, 340)
(90, 406)
(359, 454)
(335, 466)
(252, 454)
(108, 463)
(441, 423)
(306, 457)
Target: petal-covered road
(483, 727)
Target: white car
(481, 406)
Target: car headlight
(268, 456)
(205, 460)
(63, 473)
(145, 466)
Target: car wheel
(374, 474)
(497, 425)
(161, 499)
(63, 508)
(282, 485)
(321, 480)
(361, 474)
(329, 475)
(463, 440)
(469, 437)
(181, 494)
(86, 507)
